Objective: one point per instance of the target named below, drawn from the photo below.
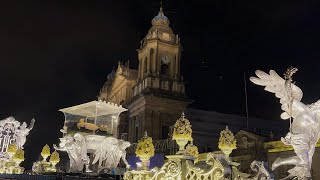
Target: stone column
(172, 66)
(154, 62)
(176, 61)
(149, 63)
(142, 68)
(139, 69)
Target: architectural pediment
(118, 79)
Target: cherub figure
(22, 132)
(111, 151)
(77, 151)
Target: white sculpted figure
(111, 150)
(304, 130)
(22, 132)
(77, 151)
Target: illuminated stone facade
(155, 93)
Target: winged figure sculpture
(109, 153)
(305, 127)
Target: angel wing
(276, 84)
(106, 149)
(31, 124)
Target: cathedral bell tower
(159, 58)
(159, 95)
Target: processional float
(89, 137)
(13, 136)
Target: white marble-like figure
(77, 151)
(22, 133)
(305, 127)
(111, 150)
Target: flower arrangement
(54, 158)
(45, 152)
(145, 146)
(182, 129)
(227, 140)
(19, 155)
(192, 150)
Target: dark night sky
(56, 54)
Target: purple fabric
(156, 161)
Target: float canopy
(94, 109)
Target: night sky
(56, 54)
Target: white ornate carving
(22, 133)
(110, 151)
(11, 132)
(77, 151)
(107, 150)
(304, 130)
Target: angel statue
(304, 130)
(111, 150)
(22, 133)
(77, 151)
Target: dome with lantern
(160, 19)
(161, 30)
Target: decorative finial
(141, 43)
(145, 134)
(161, 9)
(128, 63)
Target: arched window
(165, 69)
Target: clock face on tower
(165, 59)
